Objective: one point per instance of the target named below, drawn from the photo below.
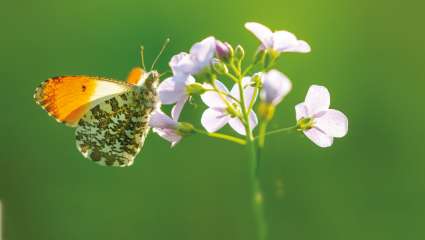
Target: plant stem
(221, 136)
(257, 195)
(280, 130)
(262, 133)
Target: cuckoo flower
(279, 41)
(319, 123)
(174, 90)
(165, 127)
(199, 57)
(275, 87)
(219, 113)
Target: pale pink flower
(279, 41)
(275, 87)
(323, 124)
(200, 56)
(173, 89)
(165, 127)
(218, 115)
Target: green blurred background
(369, 185)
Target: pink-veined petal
(202, 53)
(168, 134)
(238, 126)
(317, 100)
(301, 111)
(161, 120)
(334, 123)
(319, 138)
(211, 98)
(300, 47)
(248, 91)
(182, 63)
(253, 120)
(171, 90)
(177, 109)
(284, 41)
(214, 119)
(263, 33)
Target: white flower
(279, 41)
(173, 91)
(275, 86)
(200, 56)
(321, 124)
(218, 114)
(165, 127)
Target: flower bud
(195, 89)
(266, 111)
(184, 128)
(219, 67)
(239, 53)
(224, 51)
(275, 87)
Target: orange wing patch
(68, 98)
(135, 75)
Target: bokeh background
(369, 185)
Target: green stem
(280, 130)
(257, 197)
(221, 136)
(262, 133)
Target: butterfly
(111, 117)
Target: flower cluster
(209, 63)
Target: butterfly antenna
(160, 53)
(165, 73)
(142, 55)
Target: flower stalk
(211, 60)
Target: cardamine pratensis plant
(212, 61)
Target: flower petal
(284, 41)
(171, 89)
(263, 33)
(168, 134)
(317, 100)
(253, 120)
(248, 91)
(211, 98)
(214, 119)
(182, 63)
(161, 120)
(202, 53)
(275, 86)
(177, 109)
(300, 47)
(238, 126)
(334, 123)
(301, 111)
(319, 138)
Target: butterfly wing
(68, 98)
(113, 132)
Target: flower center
(305, 124)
